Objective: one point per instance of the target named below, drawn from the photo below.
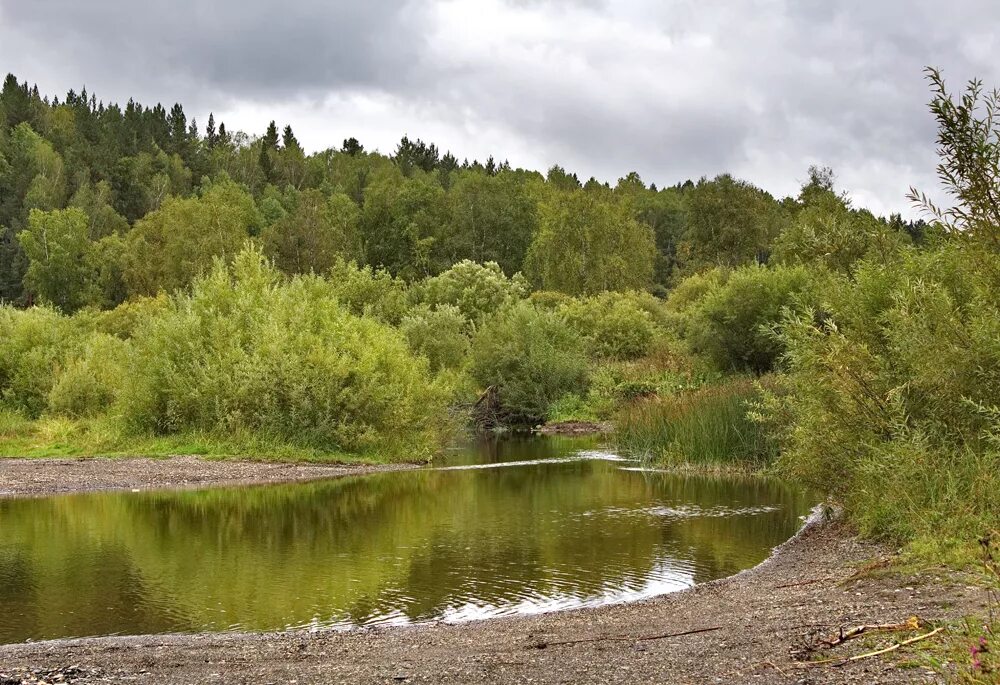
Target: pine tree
(177, 128)
(352, 147)
(15, 101)
(288, 139)
(211, 137)
(270, 139)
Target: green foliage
(731, 325)
(729, 223)
(828, 232)
(666, 213)
(549, 299)
(969, 147)
(477, 290)
(125, 319)
(689, 292)
(179, 241)
(92, 379)
(367, 292)
(492, 219)
(710, 426)
(891, 401)
(399, 222)
(249, 353)
(314, 234)
(58, 250)
(34, 345)
(440, 334)
(586, 245)
(532, 357)
(97, 202)
(613, 325)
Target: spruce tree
(270, 139)
(352, 147)
(288, 139)
(211, 137)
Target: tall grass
(707, 427)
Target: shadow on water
(557, 526)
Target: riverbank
(38, 477)
(741, 629)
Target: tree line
(100, 203)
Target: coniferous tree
(288, 139)
(16, 101)
(352, 147)
(270, 139)
(211, 136)
(178, 129)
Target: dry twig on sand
(625, 638)
(867, 655)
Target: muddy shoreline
(735, 630)
(39, 477)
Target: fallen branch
(912, 623)
(867, 655)
(625, 638)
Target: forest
(171, 288)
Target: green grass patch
(63, 437)
(704, 428)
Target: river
(499, 526)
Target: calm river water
(503, 526)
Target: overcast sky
(673, 89)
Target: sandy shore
(742, 629)
(32, 477)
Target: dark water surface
(501, 527)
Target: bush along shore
(227, 295)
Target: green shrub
(478, 290)
(532, 358)
(248, 352)
(731, 325)
(549, 299)
(92, 380)
(34, 345)
(571, 407)
(890, 403)
(612, 325)
(368, 292)
(692, 289)
(125, 319)
(438, 334)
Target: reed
(707, 427)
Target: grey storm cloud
(674, 89)
(241, 48)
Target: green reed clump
(709, 426)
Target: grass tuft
(707, 427)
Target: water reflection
(567, 528)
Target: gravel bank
(750, 622)
(32, 477)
